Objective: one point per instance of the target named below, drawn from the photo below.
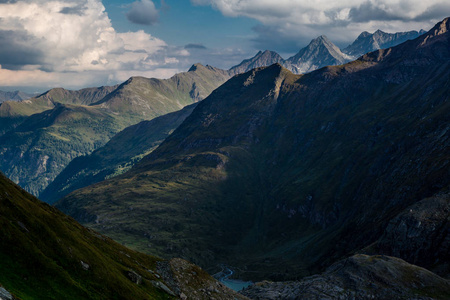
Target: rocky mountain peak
(261, 59)
(320, 52)
(368, 42)
(195, 66)
(440, 28)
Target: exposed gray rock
(420, 235)
(319, 53)
(189, 281)
(261, 59)
(5, 295)
(359, 277)
(84, 265)
(162, 286)
(135, 277)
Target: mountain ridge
(321, 52)
(337, 127)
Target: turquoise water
(235, 284)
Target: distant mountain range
(281, 175)
(124, 150)
(322, 52)
(27, 161)
(368, 42)
(15, 96)
(42, 135)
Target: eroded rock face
(5, 295)
(189, 281)
(420, 235)
(359, 277)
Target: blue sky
(81, 43)
(182, 23)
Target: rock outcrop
(359, 277)
(420, 235)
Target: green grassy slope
(45, 254)
(283, 174)
(123, 151)
(39, 148)
(142, 98)
(42, 250)
(12, 113)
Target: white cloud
(342, 21)
(143, 12)
(47, 41)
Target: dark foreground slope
(123, 151)
(283, 174)
(47, 255)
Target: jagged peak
(440, 28)
(322, 38)
(364, 34)
(195, 67)
(379, 32)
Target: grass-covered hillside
(47, 255)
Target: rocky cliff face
(420, 235)
(359, 277)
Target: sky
(83, 43)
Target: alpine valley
(281, 175)
(324, 176)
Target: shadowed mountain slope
(123, 151)
(47, 255)
(292, 172)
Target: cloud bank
(50, 41)
(295, 22)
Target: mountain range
(340, 172)
(280, 175)
(116, 157)
(14, 96)
(44, 134)
(34, 156)
(321, 52)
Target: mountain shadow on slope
(282, 174)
